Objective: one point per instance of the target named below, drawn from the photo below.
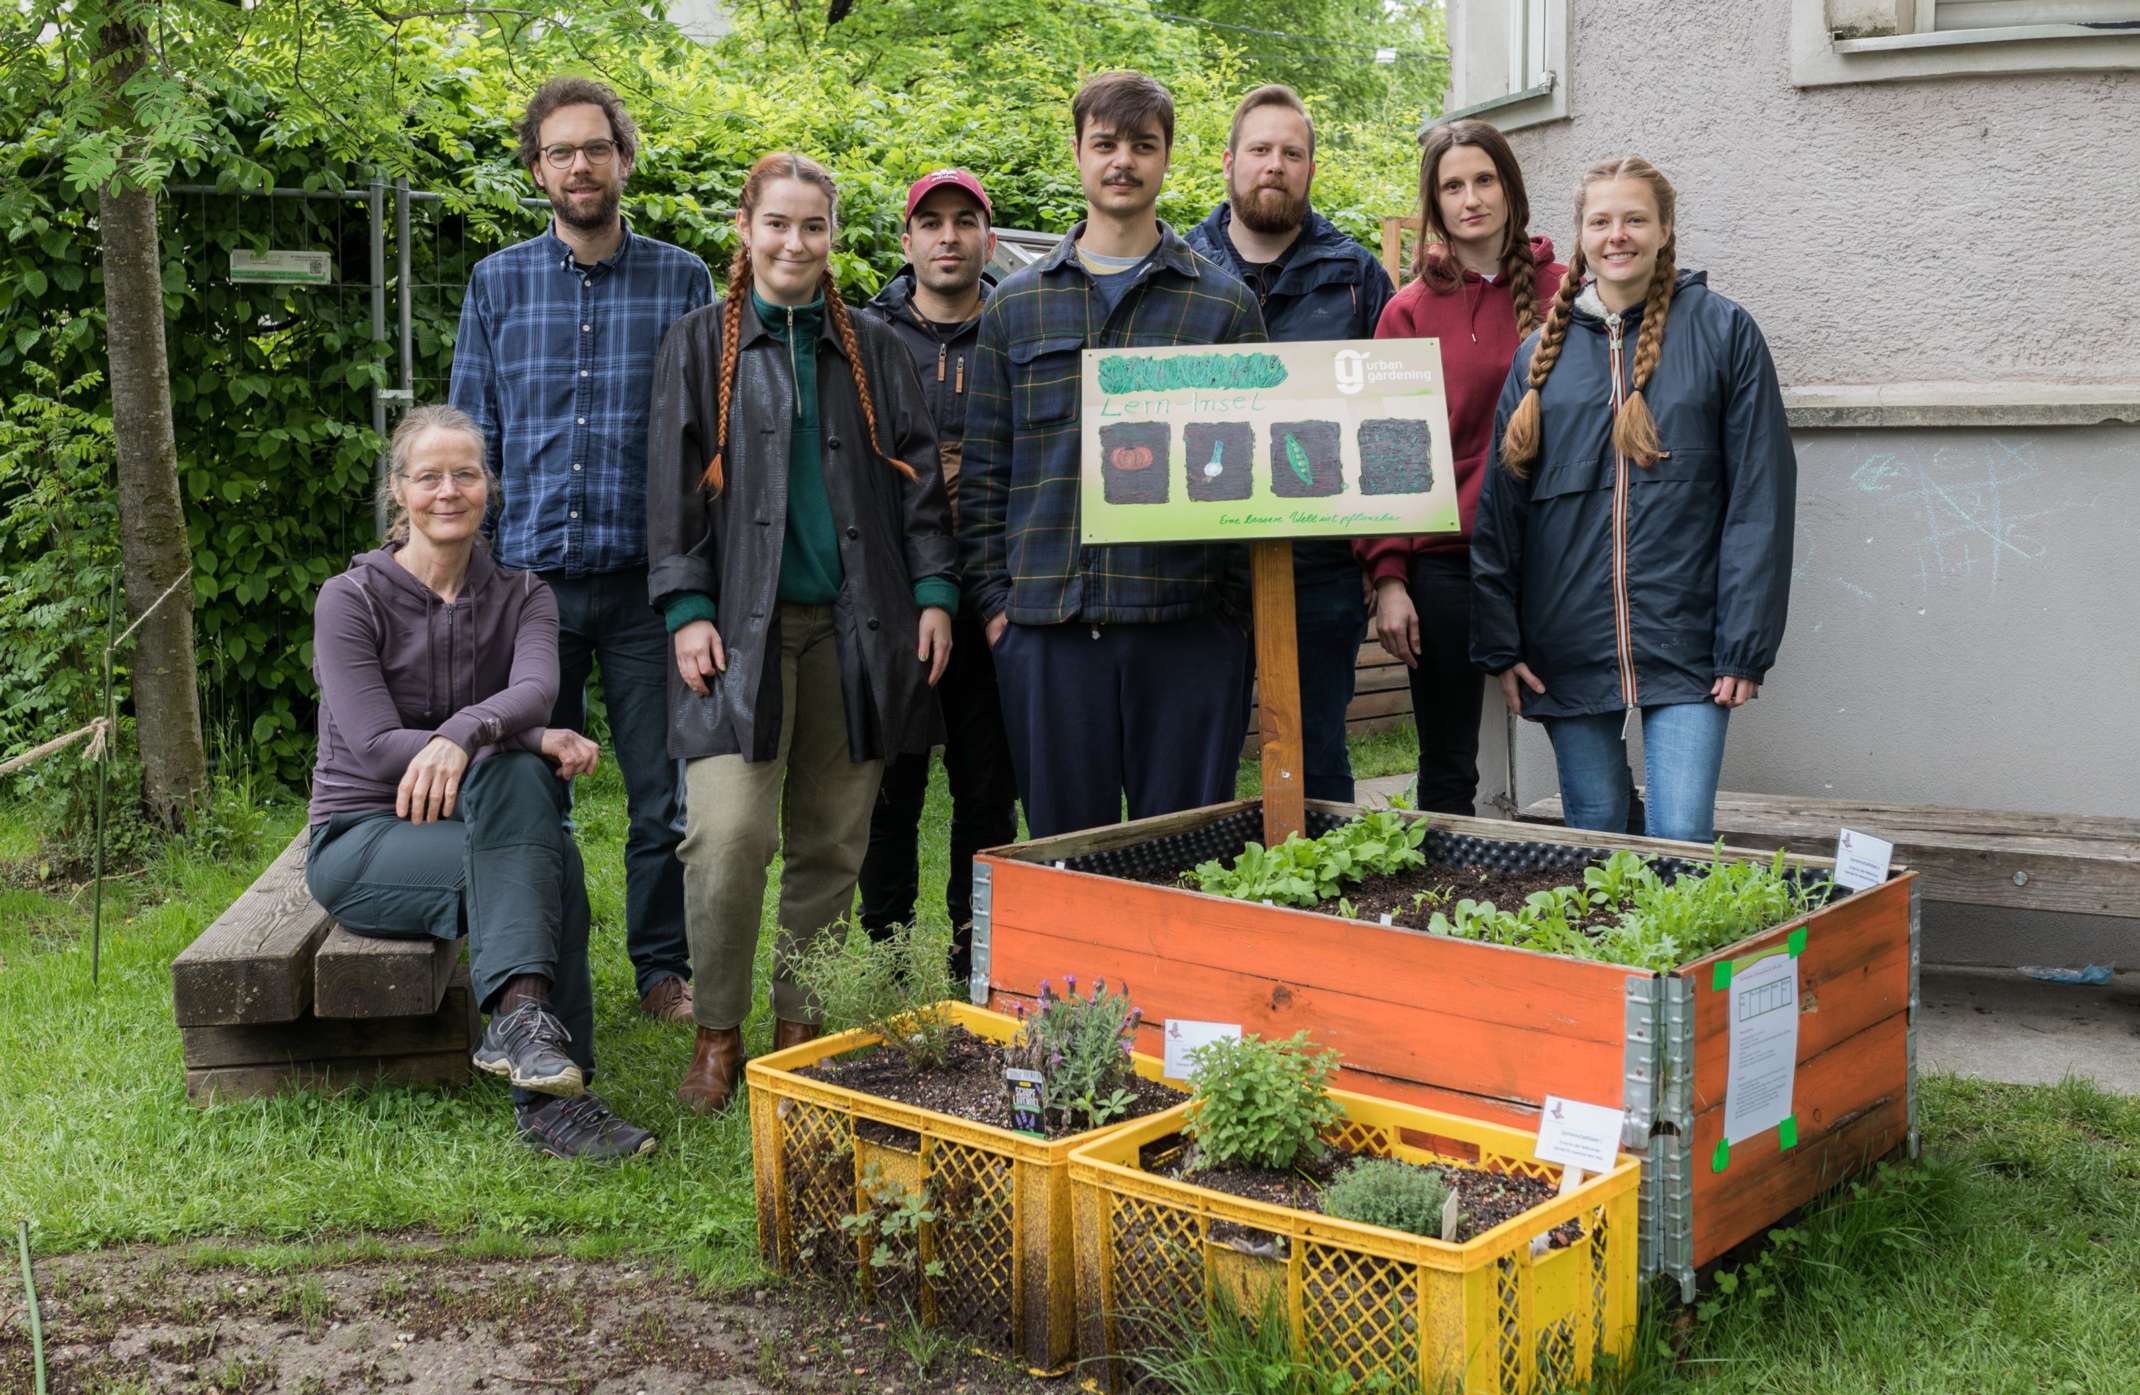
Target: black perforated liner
(1225, 838)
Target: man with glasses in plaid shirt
(555, 361)
(1123, 669)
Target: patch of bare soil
(969, 1085)
(147, 1321)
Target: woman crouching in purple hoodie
(435, 809)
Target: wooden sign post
(1263, 444)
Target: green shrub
(897, 987)
(1081, 1046)
(1385, 1192)
(1261, 1103)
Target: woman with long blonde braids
(1632, 552)
(800, 550)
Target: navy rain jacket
(1630, 587)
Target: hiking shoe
(669, 1000)
(527, 1047)
(580, 1128)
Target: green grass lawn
(2009, 1261)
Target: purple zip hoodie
(397, 666)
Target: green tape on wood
(1721, 1159)
(1721, 978)
(1787, 1133)
(1797, 942)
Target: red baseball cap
(956, 179)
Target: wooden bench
(1381, 696)
(2075, 864)
(275, 995)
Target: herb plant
(1261, 1103)
(897, 987)
(1385, 1192)
(1080, 1045)
(1307, 871)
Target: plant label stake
(1029, 1100)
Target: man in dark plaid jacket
(1124, 668)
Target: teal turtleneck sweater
(810, 566)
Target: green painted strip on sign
(1797, 941)
(1721, 1159)
(1787, 1132)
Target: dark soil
(967, 1086)
(1484, 1199)
(1446, 883)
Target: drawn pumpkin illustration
(1130, 459)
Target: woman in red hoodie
(1479, 281)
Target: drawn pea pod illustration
(1220, 457)
(1133, 462)
(1307, 460)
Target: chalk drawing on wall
(1975, 508)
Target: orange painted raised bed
(1485, 1030)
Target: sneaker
(669, 1000)
(527, 1047)
(580, 1128)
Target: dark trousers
(1329, 620)
(984, 797)
(1447, 692)
(1097, 713)
(607, 618)
(503, 871)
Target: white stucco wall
(1952, 230)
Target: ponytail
(1519, 442)
(1634, 431)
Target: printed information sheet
(1764, 1046)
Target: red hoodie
(1476, 324)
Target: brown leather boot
(787, 1034)
(716, 1064)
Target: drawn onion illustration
(1129, 459)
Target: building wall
(1953, 230)
(1965, 608)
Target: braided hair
(770, 168)
(1634, 429)
(1433, 263)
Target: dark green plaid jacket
(1018, 485)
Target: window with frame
(1510, 61)
(1840, 41)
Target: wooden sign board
(1239, 442)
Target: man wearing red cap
(933, 305)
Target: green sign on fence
(1336, 438)
(293, 268)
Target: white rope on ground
(97, 730)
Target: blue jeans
(1682, 751)
(606, 619)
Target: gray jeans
(502, 871)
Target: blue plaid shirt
(556, 363)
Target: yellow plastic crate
(1483, 1317)
(1002, 1233)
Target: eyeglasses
(431, 481)
(598, 152)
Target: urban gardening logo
(1140, 373)
(1354, 370)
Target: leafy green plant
(888, 1222)
(1081, 1047)
(1261, 1103)
(898, 987)
(1235, 1350)
(1386, 1192)
(1309, 871)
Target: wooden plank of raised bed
(1852, 1104)
(365, 976)
(1392, 1001)
(2095, 874)
(453, 1027)
(254, 964)
(1853, 972)
(327, 1077)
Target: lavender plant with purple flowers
(1080, 1043)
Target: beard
(582, 219)
(935, 278)
(1269, 209)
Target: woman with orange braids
(1479, 281)
(800, 550)
(1633, 545)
